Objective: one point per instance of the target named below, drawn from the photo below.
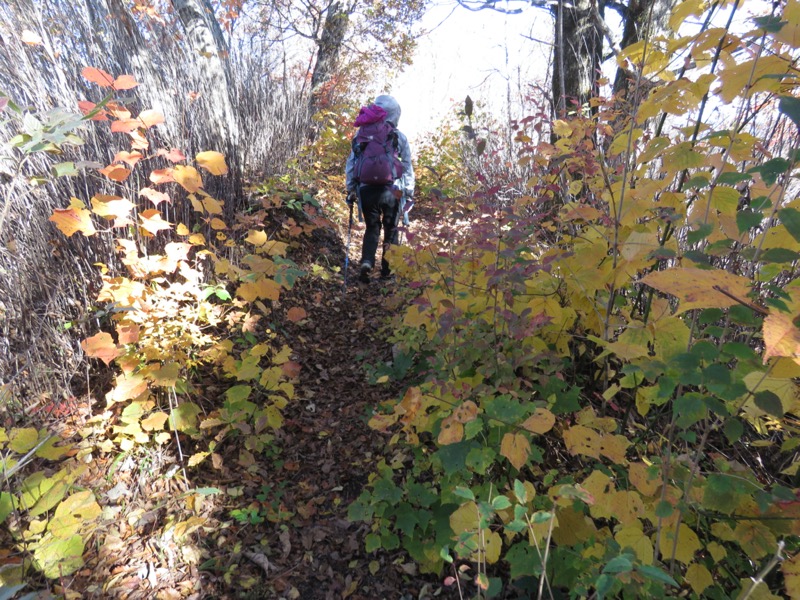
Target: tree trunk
(329, 46)
(642, 20)
(578, 54)
(210, 57)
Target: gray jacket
(406, 181)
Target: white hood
(392, 108)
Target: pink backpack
(375, 148)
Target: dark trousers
(381, 209)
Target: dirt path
(328, 451)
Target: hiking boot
(363, 275)
(387, 277)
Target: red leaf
(97, 76)
(295, 314)
(173, 155)
(86, 107)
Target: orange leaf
(115, 172)
(101, 346)
(154, 196)
(152, 221)
(411, 403)
(158, 176)
(781, 337)
(97, 76)
(127, 333)
(451, 432)
(296, 314)
(541, 421)
(291, 369)
(150, 118)
(465, 413)
(173, 155)
(125, 82)
(138, 141)
(118, 111)
(129, 158)
(213, 162)
(125, 125)
(31, 38)
(516, 448)
(72, 219)
(188, 178)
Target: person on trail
(380, 178)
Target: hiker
(380, 179)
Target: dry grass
(47, 281)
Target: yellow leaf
(218, 224)
(688, 544)
(257, 238)
(494, 546)
(582, 440)
(212, 206)
(102, 346)
(646, 481)
(213, 162)
(75, 512)
(696, 287)
(275, 248)
(791, 574)
(188, 178)
(465, 518)
(516, 448)
(23, 440)
(683, 10)
(755, 539)
(627, 507)
(698, 577)
(196, 459)
(155, 421)
(72, 219)
(633, 537)
(781, 336)
(614, 448)
(264, 288)
(541, 421)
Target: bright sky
(479, 54)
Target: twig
(759, 579)
(749, 305)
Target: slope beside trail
(328, 450)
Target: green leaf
(790, 106)
(747, 219)
(769, 402)
(769, 23)
(779, 255)
(207, 491)
(664, 509)
(733, 430)
(386, 490)
(480, 459)
(520, 492)
(701, 233)
(656, 574)
(65, 169)
(59, 557)
(372, 542)
(500, 503)
(6, 506)
(7, 592)
(406, 518)
(790, 217)
(771, 170)
(184, 417)
(463, 492)
(689, 409)
(724, 493)
(603, 586)
(732, 178)
(619, 564)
